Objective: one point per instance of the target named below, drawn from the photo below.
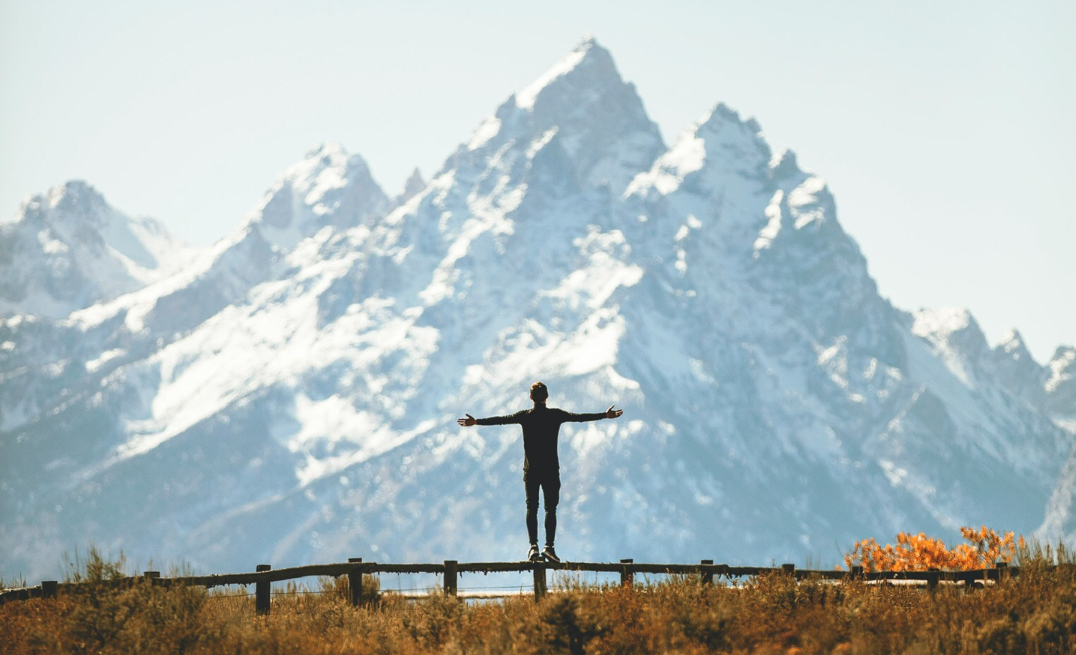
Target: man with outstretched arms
(541, 467)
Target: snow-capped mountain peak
(784, 166)
(1013, 346)
(75, 200)
(329, 187)
(1016, 368)
(596, 119)
(68, 248)
(77, 212)
(954, 326)
(705, 155)
(955, 337)
(1060, 385)
(589, 63)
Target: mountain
(291, 396)
(412, 187)
(1060, 385)
(1060, 402)
(68, 249)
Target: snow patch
(525, 99)
(773, 224)
(668, 172)
(105, 357)
(485, 132)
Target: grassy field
(1032, 613)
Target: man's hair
(539, 392)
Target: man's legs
(551, 494)
(531, 483)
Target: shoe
(550, 555)
(534, 555)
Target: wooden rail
(264, 575)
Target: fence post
(932, 579)
(707, 576)
(48, 588)
(788, 569)
(354, 581)
(151, 576)
(856, 572)
(627, 577)
(539, 581)
(261, 591)
(450, 577)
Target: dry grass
(1032, 613)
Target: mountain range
(289, 394)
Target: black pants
(549, 482)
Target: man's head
(539, 392)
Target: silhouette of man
(541, 467)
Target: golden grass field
(1034, 612)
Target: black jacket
(541, 426)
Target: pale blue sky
(945, 129)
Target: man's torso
(541, 428)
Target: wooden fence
(264, 576)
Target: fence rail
(264, 575)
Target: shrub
(918, 552)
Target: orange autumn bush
(918, 552)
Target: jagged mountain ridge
(68, 249)
(290, 398)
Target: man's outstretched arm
(469, 420)
(596, 416)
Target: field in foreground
(1032, 613)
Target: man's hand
(467, 422)
(610, 413)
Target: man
(541, 467)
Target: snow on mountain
(580, 111)
(328, 188)
(68, 249)
(43, 361)
(291, 396)
(1013, 365)
(1060, 402)
(1060, 385)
